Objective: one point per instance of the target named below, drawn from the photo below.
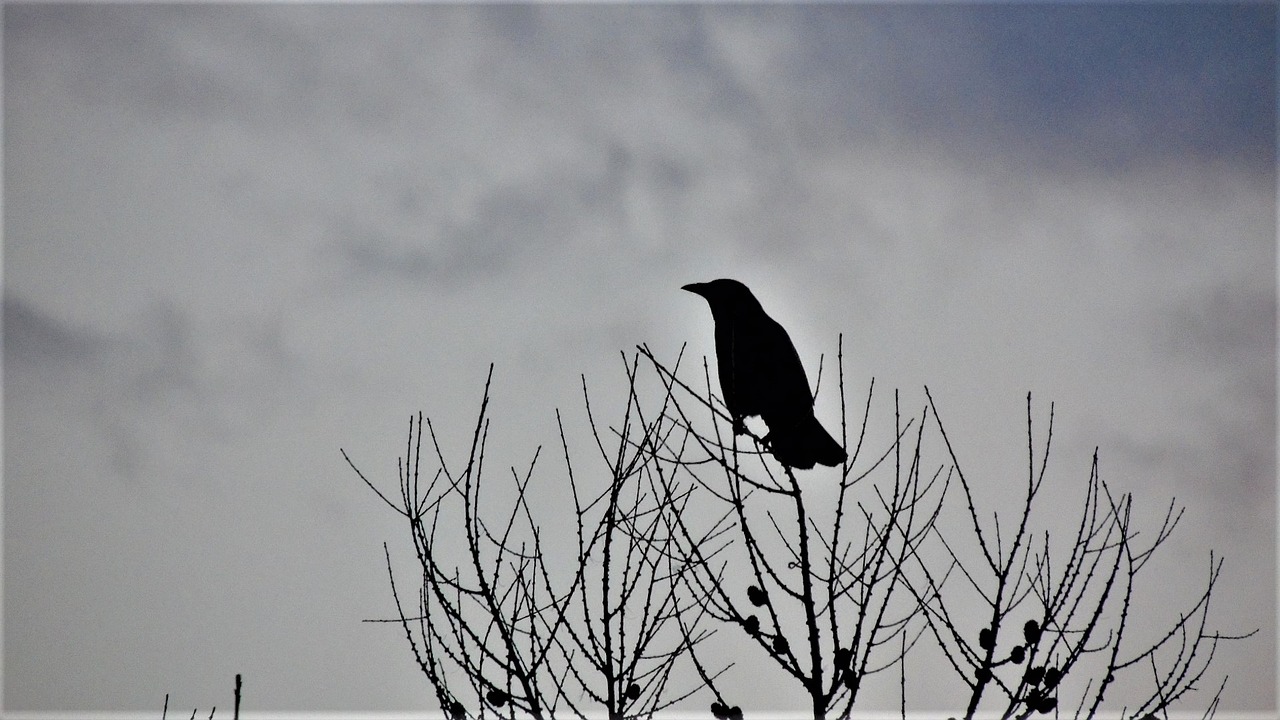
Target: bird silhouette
(761, 375)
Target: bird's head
(723, 290)
(724, 295)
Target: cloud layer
(241, 237)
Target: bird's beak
(695, 288)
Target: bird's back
(760, 370)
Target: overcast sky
(238, 238)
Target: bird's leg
(767, 440)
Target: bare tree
(1069, 618)
(164, 713)
(508, 630)
(684, 529)
(826, 600)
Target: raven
(761, 374)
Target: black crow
(761, 374)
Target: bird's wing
(782, 368)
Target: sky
(239, 238)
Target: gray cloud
(1081, 96)
(202, 383)
(34, 338)
(1227, 323)
(1228, 330)
(1080, 88)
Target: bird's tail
(803, 442)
